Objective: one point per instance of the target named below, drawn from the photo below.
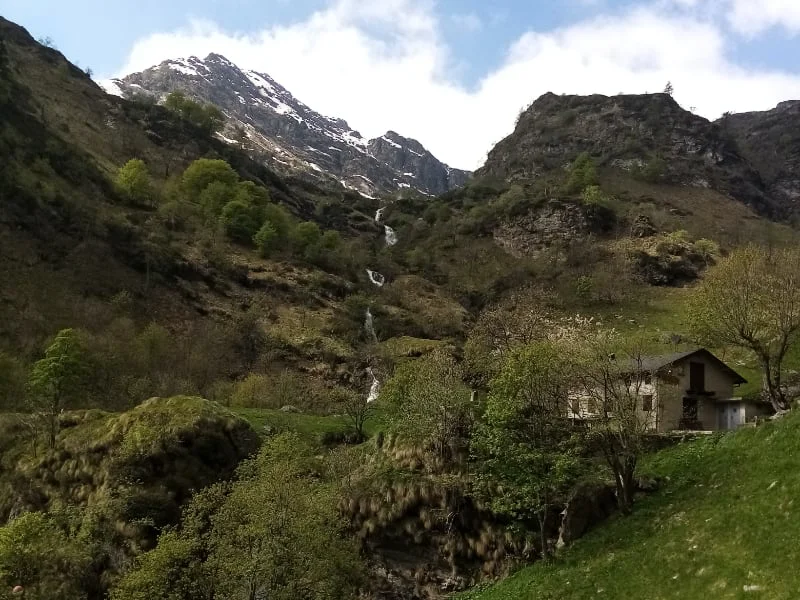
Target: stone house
(692, 390)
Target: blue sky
(453, 73)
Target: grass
(724, 526)
(311, 425)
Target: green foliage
(582, 174)
(708, 248)
(134, 181)
(239, 221)
(717, 491)
(47, 562)
(751, 300)
(59, 378)
(428, 403)
(525, 445)
(593, 195)
(203, 172)
(276, 533)
(653, 170)
(267, 239)
(214, 197)
(305, 237)
(205, 116)
(584, 286)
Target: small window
(648, 379)
(647, 402)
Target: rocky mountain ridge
(649, 136)
(265, 119)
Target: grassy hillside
(724, 526)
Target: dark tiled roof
(652, 364)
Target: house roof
(656, 363)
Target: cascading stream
(376, 278)
(375, 388)
(389, 233)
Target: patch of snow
(258, 81)
(183, 67)
(332, 148)
(315, 167)
(110, 86)
(366, 179)
(356, 141)
(225, 139)
(379, 214)
(409, 174)
(403, 185)
(413, 152)
(391, 142)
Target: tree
(429, 404)
(669, 89)
(305, 236)
(58, 378)
(610, 385)
(357, 409)
(215, 197)
(38, 555)
(205, 116)
(751, 300)
(266, 239)
(582, 174)
(204, 171)
(133, 180)
(526, 444)
(239, 222)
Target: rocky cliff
(265, 119)
(649, 136)
(770, 140)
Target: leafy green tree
(267, 239)
(582, 173)
(331, 240)
(429, 404)
(38, 555)
(751, 300)
(133, 180)
(215, 197)
(204, 171)
(278, 535)
(525, 444)
(279, 219)
(305, 237)
(239, 222)
(58, 378)
(205, 116)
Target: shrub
(133, 180)
(582, 173)
(238, 221)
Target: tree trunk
(770, 389)
(542, 518)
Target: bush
(266, 239)
(133, 181)
(238, 221)
(203, 172)
(582, 174)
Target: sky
(453, 74)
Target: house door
(689, 416)
(697, 377)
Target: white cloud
(756, 16)
(385, 65)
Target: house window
(647, 402)
(648, 379)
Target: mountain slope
(646, 135)
(723, 526)
(267, 120)
(770, 140)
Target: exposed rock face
(554, 223)
(267, 120)
(676, 264)
(770, 140)
(650, 134)
(588, 506)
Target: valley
(246, 353)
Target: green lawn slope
(726, 524)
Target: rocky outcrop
(770, 141)
(554, 223)
(589, 505)
(650, 136)
(265, 119)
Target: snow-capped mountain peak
(267, 120)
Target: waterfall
(375, 388)
(376, 278)
(391, 236)
(369, 326)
